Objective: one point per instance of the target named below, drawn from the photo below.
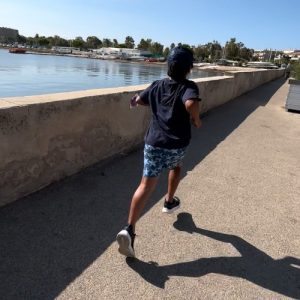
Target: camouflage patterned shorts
(157, 159)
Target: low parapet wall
(46, 138)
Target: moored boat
(17, 50)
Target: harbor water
(31, 74)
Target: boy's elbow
(191, 105)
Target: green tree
(63, 42)
(93, 42)
(78, 42)
(157, 48)
(166, 52)
(214, 49)
(115, 43)
(144, 44)
(21, 39)
(30, 41)
(129, 42)
(56, 40)
(238, 51)
(285, 59)
(295, 70)
(201, 52)
(232, 49)
(36, 40)
(268, 55)
(246, 53)
(107, 43)
(208, 52)
(187, 46)
(43, 41)
(122, 46)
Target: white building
(122, 53)
(288, 51)
(65, 50)
(105, 53)
(260, 54)
(294, 55)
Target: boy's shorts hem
(158, 159)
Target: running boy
(174, 103)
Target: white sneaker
(171, 207)
(125, 239)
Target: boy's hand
(134, 101)
(197, 123)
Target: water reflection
(28, 74)
(127, 73)
(93, 69)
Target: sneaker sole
(169, 211)
(124, 241)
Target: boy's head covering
(182, 56)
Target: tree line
(208, 52)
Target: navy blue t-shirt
(170, 125)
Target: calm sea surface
(30, 74)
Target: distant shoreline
(89, 56)
(209, 69)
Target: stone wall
(218, 90)
(46, 138)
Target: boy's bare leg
(140, 197)
(173, 181)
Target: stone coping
(46, 98)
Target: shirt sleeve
(145, 94)
(191, 92)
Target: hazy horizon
(261, 25)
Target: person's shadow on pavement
(281, 276)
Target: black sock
(129, 228)
(170, 202)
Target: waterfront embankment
(46, 138)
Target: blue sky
(259, 24)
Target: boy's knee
(148, 183)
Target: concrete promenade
(237, 235)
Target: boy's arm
(192, 108)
